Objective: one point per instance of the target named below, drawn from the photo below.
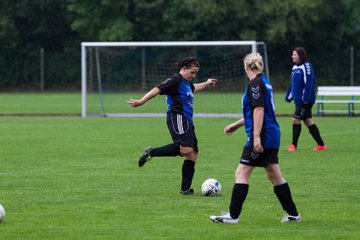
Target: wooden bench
(338, 91)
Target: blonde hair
(254, 62)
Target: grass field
(70, 103)
(74, 178)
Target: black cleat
(145, 157)
(187, 192)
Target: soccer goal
(113, 72)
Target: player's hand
(257, 145)
(134, 102)
(229, 129)
(211, 82)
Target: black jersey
(179, 95)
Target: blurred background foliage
(326, 28)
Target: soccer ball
(211, 187)
(2, 213)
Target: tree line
(326, 28)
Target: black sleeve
(256, 92)
(192, 87)
(169, 86)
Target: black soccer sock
(296, 133)
(283, 193)
(238, 196)
(315, 133)
(188, 170)
(170, 150)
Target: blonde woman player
(262, 145)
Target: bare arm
(149, 95)
(232, 127)
(203, 85)
(258, 116)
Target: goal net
(113, 72)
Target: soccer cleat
(187, 192)
(319, 147)
(289, 218)
(292, 148)
(224, 218)
(145, 157)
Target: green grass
(70, 103)
(74, 178)
(40, 103)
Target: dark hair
(302, 53)
(188, 62)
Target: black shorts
(252, 158)
(303, 113)
(182, 131)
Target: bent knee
(186, 150)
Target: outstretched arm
(232, 127)
(149, 95)
(203, 85)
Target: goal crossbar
(171, 43)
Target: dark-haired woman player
(179, 90)
(302, 91)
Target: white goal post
(101, 78)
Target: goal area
(113, 72)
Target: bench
(338, 91)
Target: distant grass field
(70, 103)
(74, 178)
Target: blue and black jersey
(179, 95)
(259, 93)
(302, 86)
